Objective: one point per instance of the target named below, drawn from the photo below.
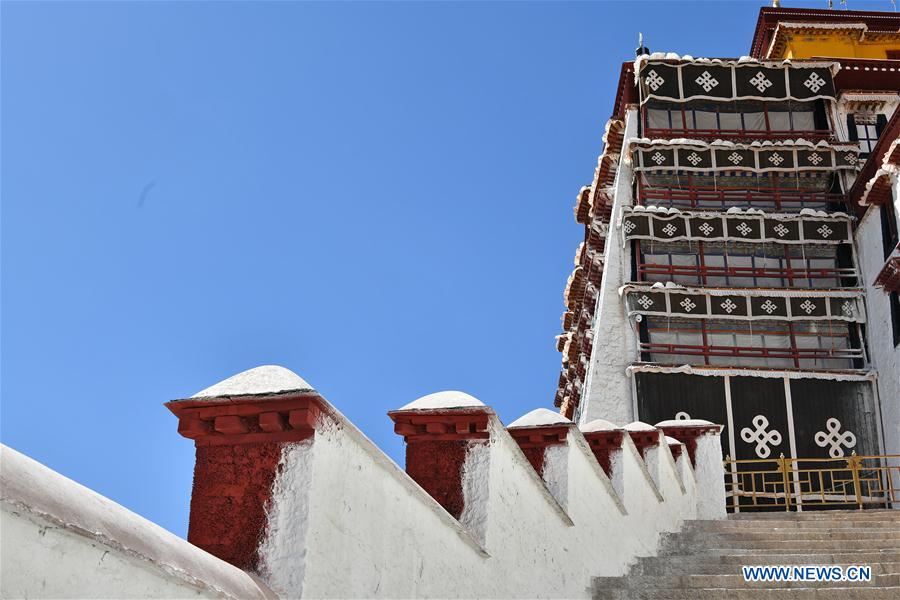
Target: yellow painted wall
(838, 45)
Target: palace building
(740, 260)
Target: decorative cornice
(285, 417)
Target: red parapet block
(688, 431)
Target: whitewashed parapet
(481, 511)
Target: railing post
(853, 463)
(785, 478)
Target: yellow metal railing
(797, 483)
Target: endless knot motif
(815, 158)
(776, 159)
(728, 306)
(707, 81)
(658, 158)
(762, 437)
(835, 438)
(706, 229)
(654, 80)
(682, 416)
(808, 306)
(629, 227)
(781, 230)
(735, 158)
(744, 228)
(825, 231)
(814, 83)
(851, 158)
(645, 301)
(687, 305)
(768, 306)
(694, 159)
(847, 308)
(669, 230)
(761, 82)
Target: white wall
(607, 389)
(61, 540)
(884, 356)
(371, 531)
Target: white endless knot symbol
(781, 230)
(847, 308)
(706, 229)
(824, 231)
(658, 158)
(654, 80)
(687, 305)
(815, 158)
(728, 306)
(761, 436)
(744, 228)
(835, 438)
(735, 158)
(808, 306)
(694, 159)
(707, 81)
(851, 158)
(682, 416)
(776, 159)
(629, 227)
(645, 301)
(669, 229)
(814, 83)
(768, 306)
(760, 82)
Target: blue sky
(376, 196)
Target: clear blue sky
(376, 196)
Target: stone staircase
(704, 560)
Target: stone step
(886, 524)
(739, 559)
(840, 515)
(705, 567)
(730, 582)
(688, 546)
(782, 534)
(808, 593)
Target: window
(867, 136)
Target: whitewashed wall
(61, 540)
(885, 357)
(607, 389)
(363, 528)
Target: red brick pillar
(239, 431)
(538, 430)
(604, 440)
(644, 436)
(439, 431)
(688, 432)
(675, 447)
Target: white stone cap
(30, 487)
(441, 400)
(599, 425)
(639, 426)
(672, 441)
(539, 417)
(259, 381)
(685, 423)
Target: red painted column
(534, 441)
(438, 439)
(239, 441)
(604, 439)
(688, 431)
(644, 436)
